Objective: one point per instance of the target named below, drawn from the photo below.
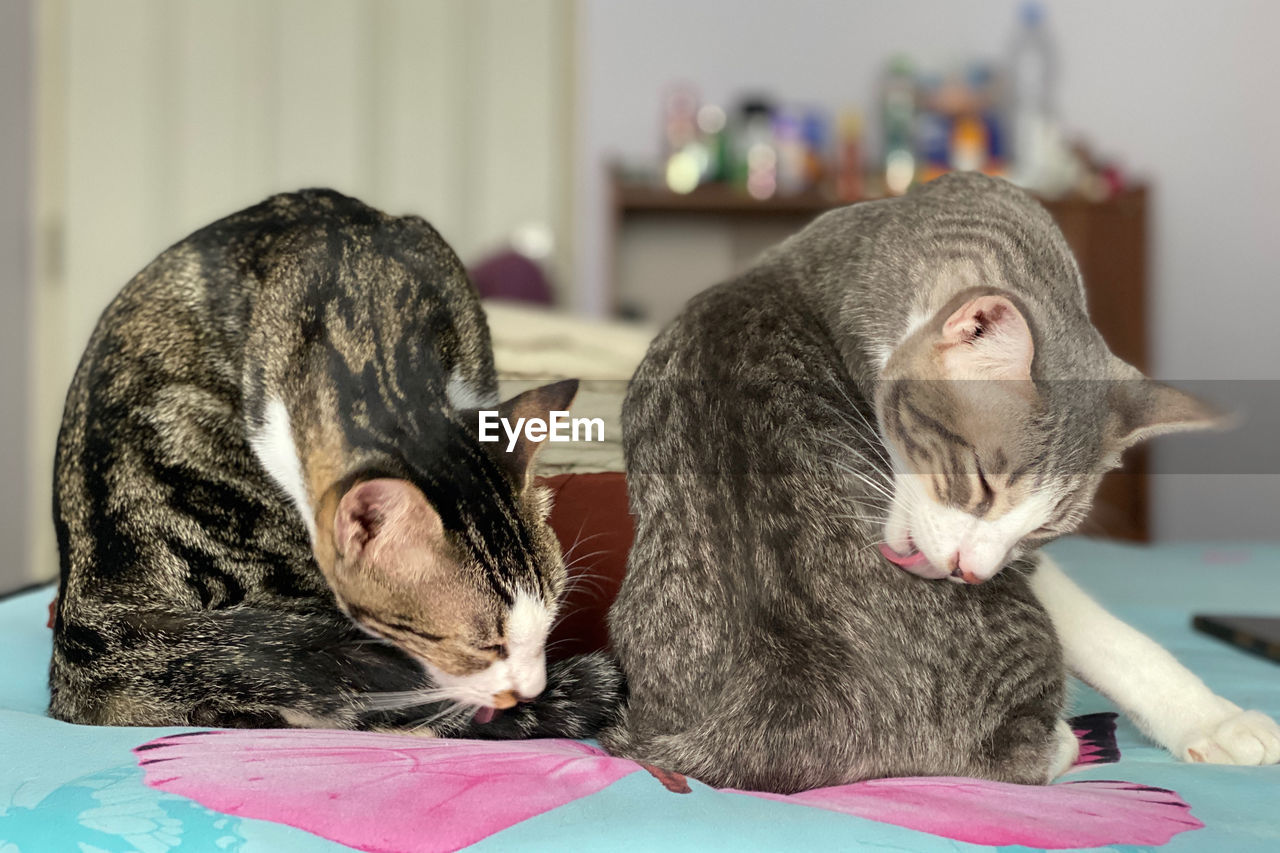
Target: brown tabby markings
(191, 590)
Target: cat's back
(154, 467)
(747, 330)
(755, 600)
(152, 443)
(315, 240)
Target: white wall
(16, 118)
(1181, 91)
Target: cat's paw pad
(1246, 737)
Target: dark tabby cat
(272, 507)
(919, 372)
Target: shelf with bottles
(779, 158)
(997, 117)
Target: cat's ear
(377, 515)
(986, 338)
(1144, 408)
(535, 403)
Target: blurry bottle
(711, 125)
(1031, 108)
(849, 157)
(969, 144)
(984, 81)
(898, 112)
(756, 167)
(788, 142)
(933, 126)
(679, 117)
(815, 145)
(684, 154)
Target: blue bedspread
(66, 787)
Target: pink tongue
(906, 561)
(486, 715)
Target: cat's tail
(584, 695)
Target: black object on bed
(1257, 634)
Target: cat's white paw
(1066, 750)
(1244, 737)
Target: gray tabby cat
(906, 388)
(273, 509)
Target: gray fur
(765, 642)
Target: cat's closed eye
(987, 491)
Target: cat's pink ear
(376, 515)
(987, 338)
(536, 403)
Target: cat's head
(469, 585)
(991, 456)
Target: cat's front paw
(1244, 737)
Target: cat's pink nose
(961, 573)
(504, 700)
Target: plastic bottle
(757, 158)
(816, 145)
(788, 143)
(897, 119)
(1033, 68)
(849, 157)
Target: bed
(65, 787)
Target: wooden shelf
(720, 199)
(631, 196)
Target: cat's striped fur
(873, 376)
(233, 398)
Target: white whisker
(394, 700)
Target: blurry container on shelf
(685, 155)
(1032, 76)
(1042, 160)
(969, 144)
(849, 183)
(679, 117)
(792, 153)
(987, 80)
(933, 130)
(958, 123)
(898, 114)
(715, 138)
(816, 148)
(756, 161)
